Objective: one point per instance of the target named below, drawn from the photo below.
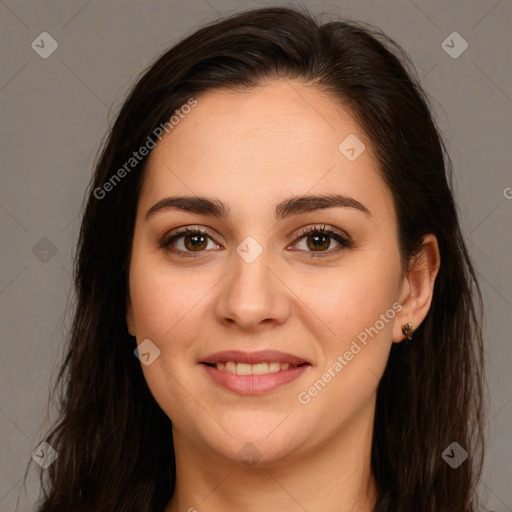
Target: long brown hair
(114, 443)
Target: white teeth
(274, 367)
(252, 369)
(259, 369)
(243, 369)
(230, 367)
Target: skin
(251, 151)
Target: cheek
(166, 307)
(163, 299)
(353, 298)
(355, 349)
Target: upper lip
(261, 356)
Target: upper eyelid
(331, 230)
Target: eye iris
(317, 241)
(198, 242)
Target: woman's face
(256, 292)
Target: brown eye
(317, 241)
(195, 242)
(188, 241)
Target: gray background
(56, 110)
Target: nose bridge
(251, 294)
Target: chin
(256, 442)
(257, 453)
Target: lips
(262, 356)
(253, 373)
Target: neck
(334, 476)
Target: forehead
(263, 144)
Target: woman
(274, 300)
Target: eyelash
(343, 240)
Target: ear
(418, 286)
(130, 321)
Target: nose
(253, 296)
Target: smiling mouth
(262, 368)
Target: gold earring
(407, 330)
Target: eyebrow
(285, 209)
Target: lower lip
(254, 384)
